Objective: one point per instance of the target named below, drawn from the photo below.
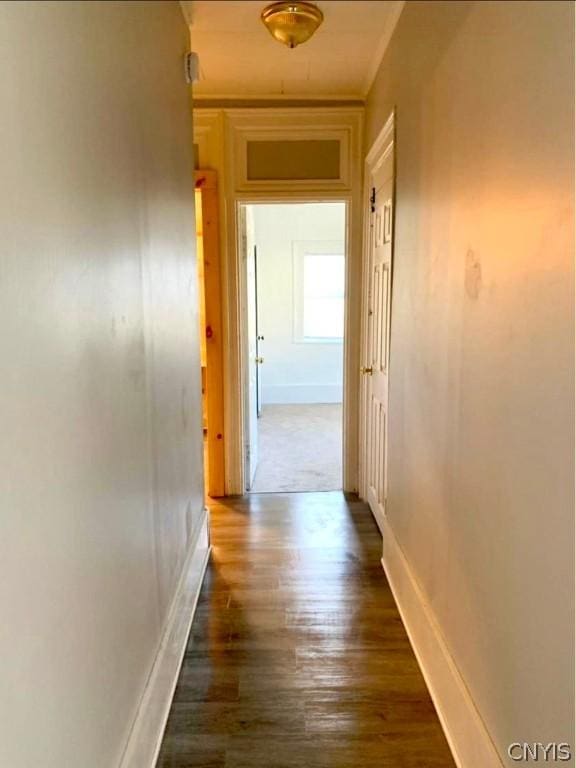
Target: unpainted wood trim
(206, 181)
(209, 132)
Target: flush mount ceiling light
(292, 23)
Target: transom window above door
(319, 290)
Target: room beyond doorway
(300, 448)
(294, 336)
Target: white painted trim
(379, 148)
(303, 394)
(284, 121)
(465, 730)
(148, 728)
(285, 124)
(395, 11)
(380, 518)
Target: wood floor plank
(297, 657)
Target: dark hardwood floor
(298, 657)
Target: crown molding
(186, 8)
(356, 97)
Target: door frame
(349, 411)
(221, 136)
(206, 182)
(382, 146)
(246, 244)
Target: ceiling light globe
(292, 23)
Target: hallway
(297, 656)
(356, 212)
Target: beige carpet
(299, 448)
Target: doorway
(293, 268)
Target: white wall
(293, 371)
(481, 394)
(100, 457)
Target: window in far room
(318, 293)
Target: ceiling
(240, 59)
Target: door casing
(207, 182)
(249, 332)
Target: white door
(252, 360)
(375, 367)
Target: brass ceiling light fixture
(292, 23)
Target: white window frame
(301, 249)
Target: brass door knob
(369, 371)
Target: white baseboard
(288, 394)
(380, 518)
(148, 728)
(465, 731)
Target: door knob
(259, 360)
(260, 338)
(369, 370)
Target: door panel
(378, 331)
